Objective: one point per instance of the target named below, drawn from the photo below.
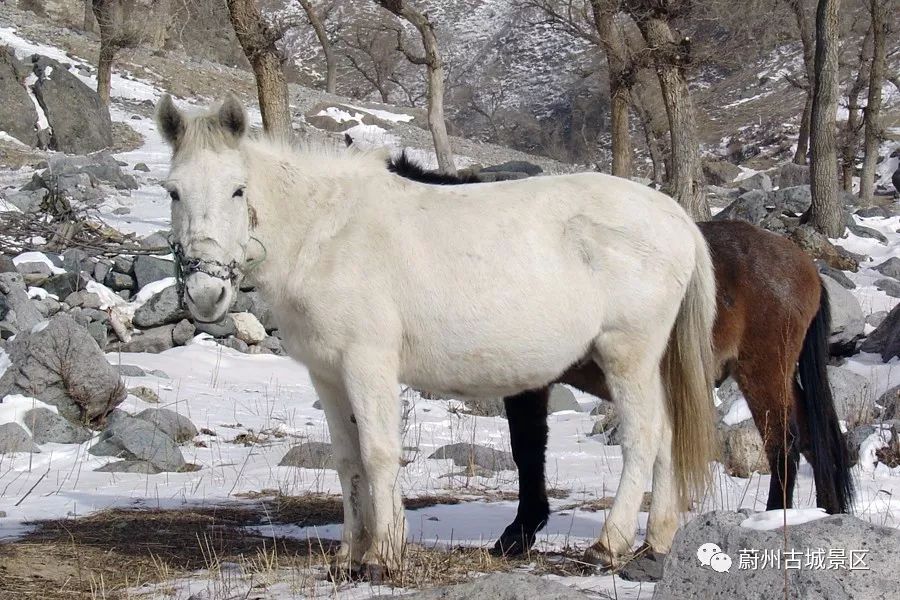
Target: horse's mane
(409, 169)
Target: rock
(161, 309)
(47, 426)
(515, 166)
(62, 365)
(98, 331)
(876, 318)
(309, 455)
(867, 232)
(63, 285)
(757, 182)
(153, 341)
(18, 308)
(728, 393)
(220, 329)
(890, 267)
(868, 212)
(854, 398)
(855, 437)
(157, 239)
(83, 299)
(750, 206)
(891, 287)
(465, 455)
(889, 404)
(79, 122)
(835, 274)
(720, 172)
(847, 319)
(139, 439)
(791, 175)
(18, 116)
(145, 394)
(119, 281)
(606, 426)
(124, 264)
(794, 199)
(248, 328)
(685, 577)
(885, 340)
(484, 407)
(561, 398)
(28, 201)
(142, 167)
(743, 452)
(178, 427)
(499, 586)
(148, 269)
(235, 344)
(183, 332)
(273, 345)
(7, 265)
(129, 466)
(76, 260)
(818, 246)
(327, 116)
(13, 438)
(131, 371)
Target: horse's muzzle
(207, 297)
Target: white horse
(376, 280)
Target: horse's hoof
(601, 557)
(515, 541)
(372, 573)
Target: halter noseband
(186, 265)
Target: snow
(737, 412)
(4, 361)
(14, 406)
(868, 461)
(383, 114)
(38, 257)
(776, 519)
(42, 122)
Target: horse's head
(210, 214)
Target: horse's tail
(830, 460)
(688, 370)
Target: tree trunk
(686, 184)
(851, 133)
(89, 19)
(653, 147)
(879, 9)
(103, 12)
(621, 77)
(808, 43)
(104, 73)
(322, 35)
(435, 78)
(258, 39)
(826, 213)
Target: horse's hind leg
(527, 417)
(355, 539)
(663, 520)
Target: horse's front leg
(370, 378)
(355, 538)
(526, 414)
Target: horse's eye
(173, 194)
(238, 193)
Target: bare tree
(807, 41)
(672, 57)
(880, 11)
(372, 52)
(89, 20)
(318, 24)
(850, 142)
(825, 214)
(434, 66)
(258, 39)
(116, 33)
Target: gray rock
(891, 287)
(847, 319)
(148, 269)
(78, 120)
(465, 455)
(19, 309)
(889, 404)
(867, 232)
(874, 211)
(876, 318)
(47, 426)
(499, 586)
(273, 345)
(855, 437)
(157, 239)
(40, 269)
(720, 172)
(129, 466)
(62, 365)
(791, 175)
(183, 332)
(153, 341)
(515, 166)
(236, 344)
(684, 576)
(98, 331)
(750, 206)
(144, 393)
(890, 267)
(485, 407)
(18, 116)
(309, 455)
(119, 281)
(28, 201)
(248, 328)
(13, 438)
(101, 270)
(124, 264)
(220, 329)
(794, 199)
(561, 398)
(142, 167)
(131, 371)
(138, 439)
(836, 274)
(729, 393)
(606, 427)
(757, 182)
(885, 340)
(178, 427)
(63, 285)
(743, 452)
(161, 309)
(83, 299)
(6, 264)
(75, 260)
(854, 398)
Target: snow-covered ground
(229, 394)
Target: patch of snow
(108, 298)
(14, 406)
(5, 362)
(39, 327)
(27, 257)
(8, 138)
(738, 412)
(776, 519)
(383, 114)
(42, 121)
(868, 459)
(40, 293)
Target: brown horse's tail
(830, 460)
(688, 369)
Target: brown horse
(771, 335)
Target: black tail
(830, 460)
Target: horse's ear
(169, 120)
(232, 116)
(348, 141)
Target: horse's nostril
(222, 295)
(187, 293)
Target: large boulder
(795, 199)
(847, 319)
(162, 308)
(720, 172)
(99, 167)
(838, 557)
(751, 206)
(139, 439)
(817, 245)
(854, 398)
(18, 117)
(178, 427)
(758, 181)
(890, 267)
(467, 455)
(309, 455)
(13, 438)
(78, 120)
(62, 365)
(885, 340)
(515, 166)
(791, 174)
(48, 426)
(743, 450)
(148, 269)
(499, 586)
(18, 310)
